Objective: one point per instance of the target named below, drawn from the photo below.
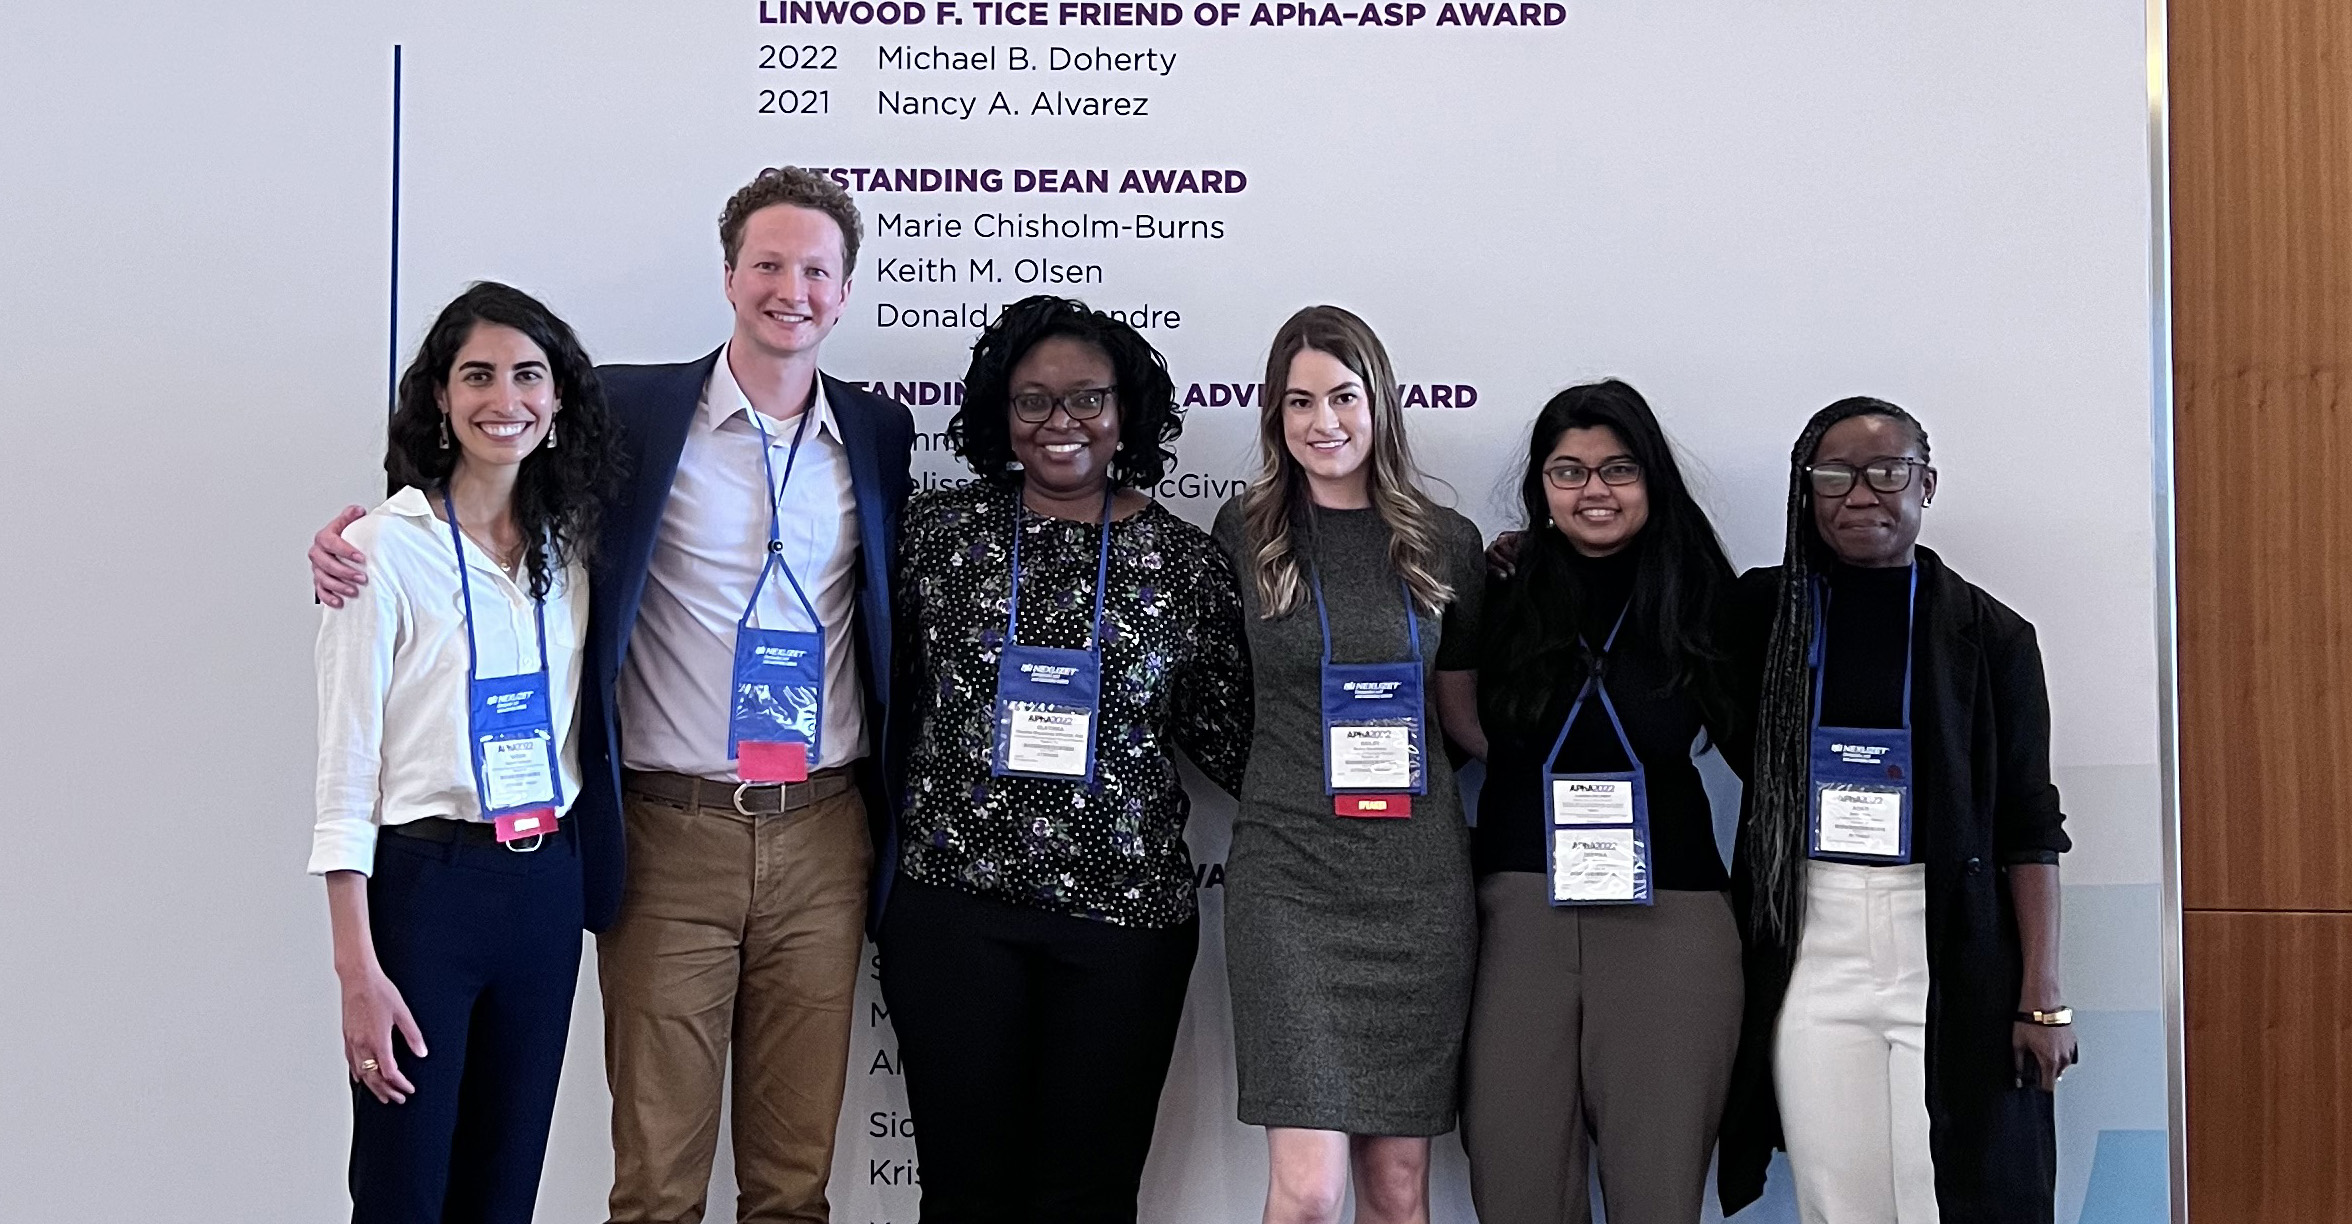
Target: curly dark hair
(801, 189)
(560, 489)
(981, 432)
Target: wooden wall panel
(2270, 1038)
(2261, 111)
(2262, 317)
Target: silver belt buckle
(517, 847)
(742, 787)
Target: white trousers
(1849, 1058)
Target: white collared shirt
(676, 687)
(392, 691)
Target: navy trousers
(484, 944)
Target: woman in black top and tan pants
(1607, 1007)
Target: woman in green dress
(1350, 928)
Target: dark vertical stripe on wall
(392, 319)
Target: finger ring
(367, 1064)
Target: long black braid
(1773, 840)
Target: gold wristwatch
(2055, 1018)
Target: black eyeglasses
(1889, 475)
(1576, 475)
(1084, 404)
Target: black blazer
(654, 405)
(1980, 718)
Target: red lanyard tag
(1391, 807)
(758, 761)
(514, 826)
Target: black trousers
(1036, 1045)
(484, 944)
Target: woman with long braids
(1897, 862)
(449, 694)
(1607, 1008)
(1349, 929)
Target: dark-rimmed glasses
(1888, 475)
(1576, 475)
(1084, 404)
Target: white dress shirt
(392, 736)
(676, 688)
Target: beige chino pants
(738, 940)
(1609, 1026)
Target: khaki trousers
(737, 936)
(1608, 1026)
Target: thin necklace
(510, 561)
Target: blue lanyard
(465, 591)
(1820, 644)
(1102, 572)
(1412, 620)
(775, 525)
(1593, 684)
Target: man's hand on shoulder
(337, 570)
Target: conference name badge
(1049, 698)
(1371, 757)
(1859, 821)
(1046, 704)
(515, 771)
(1597, 824)
(1594, 801)
(1374, 760)
(778, 714)
(514, 754)
(1042, 739)
(1591, 866)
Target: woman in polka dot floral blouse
(1041, 930)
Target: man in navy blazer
(655, 404)
(732, 913)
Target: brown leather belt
(741, 798)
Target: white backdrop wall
(1746, 209)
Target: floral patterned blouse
(1175, 675)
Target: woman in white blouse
(448, 694)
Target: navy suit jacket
(654, 405)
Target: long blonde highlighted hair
(1275, 505)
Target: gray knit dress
(1350, 943)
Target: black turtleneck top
(1869, 641)
(1661, 720)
